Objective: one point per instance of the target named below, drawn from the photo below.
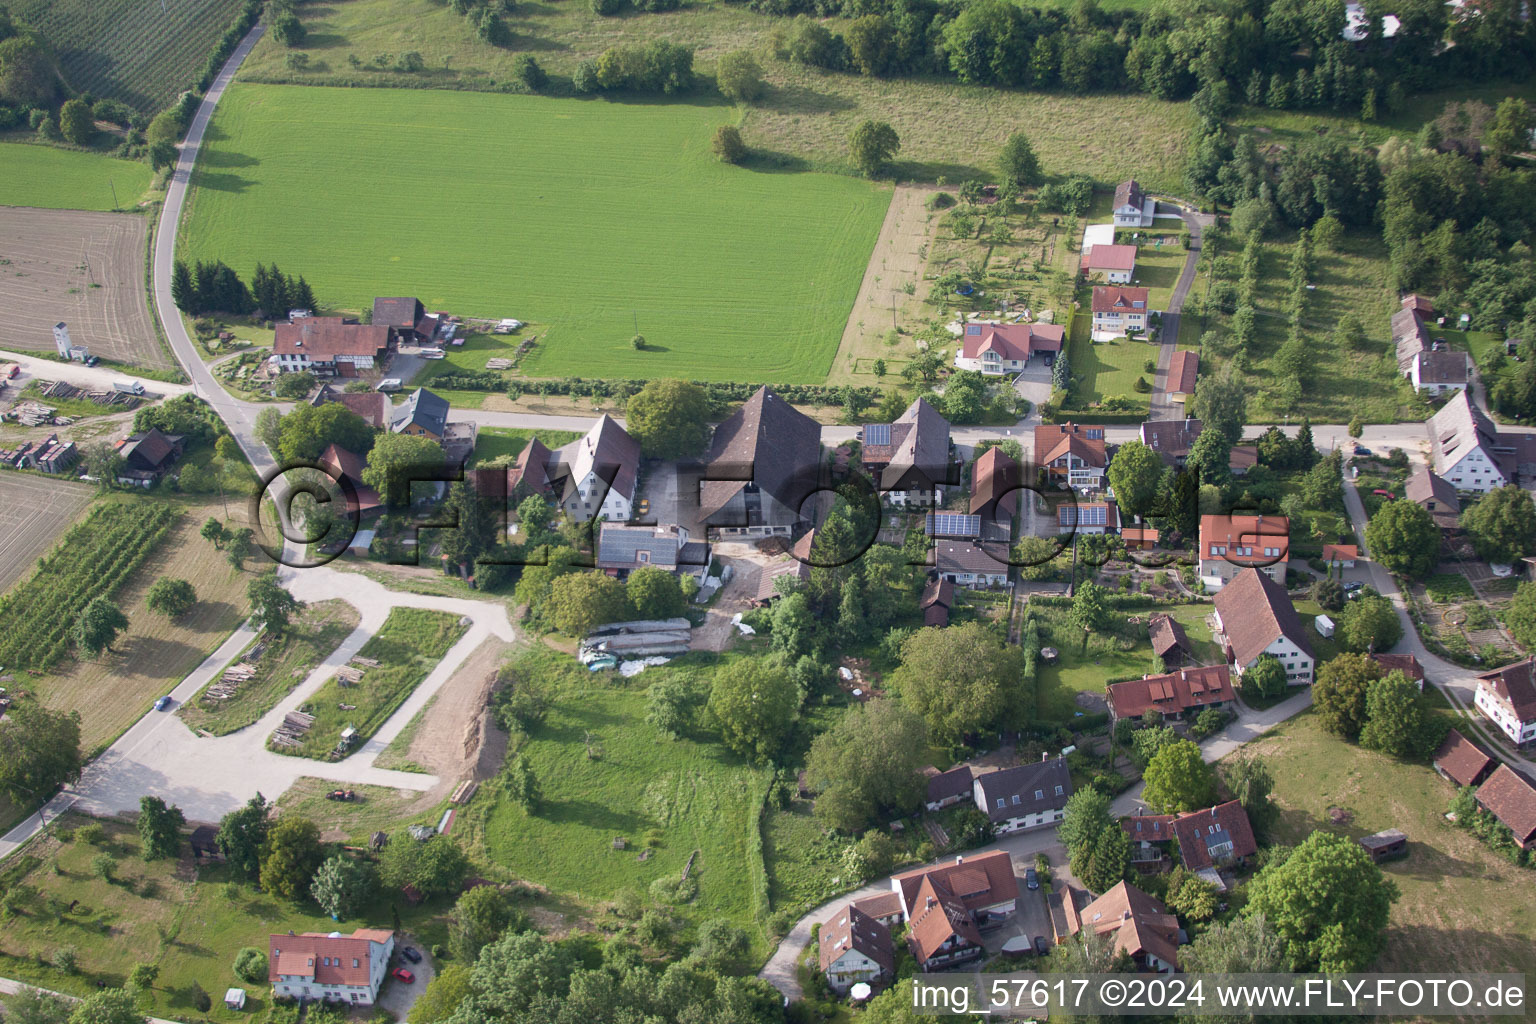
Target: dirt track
(86, 269)
(457, 739)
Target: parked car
(1031, 880)
(1042, 947)
(1384, 494)
(1353, 586)
(410, 953)
(401, 974)
(163, 703)
(1361, 449)
(93, 360)
(643, 507)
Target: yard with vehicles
(606, 775)
(404, 650)
(190, 922)
(34, 509)
(49, 177)
(137, 53)
(85, 269)
(154, 652)
(283, 664)
(765, 299)
(1446, 919)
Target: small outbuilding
(1324, 625)
(1385, 845)
(235, 999)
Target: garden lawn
(1445, 919)
(497, 442)
(673, 797)
(154, 912)
(408, 646)
(68, 179)
(314, 634)
(599, 219)
(1058, 685)
(1107, 369)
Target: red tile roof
(1511, 797)
(1167, 634)
(1171, 693)
(325, 337)
(1111, 257)
(1515, 685)
(1340, 552)
(1115, 298)
(1256, 532)
(852, 928)
(995, 478)
(1256, 611)
(990, 880)
(1053, 440)
(1407, 664)
(1139, 923)
(885, 904)
(348, 465)
(1461, 759)
(1011, 341)
(1149, 828)
(1223, 823)
(328, 959)
(372, 406)
(936, 914)
(1183, 371)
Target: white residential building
(1255, 617)
(330, 966)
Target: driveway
(1162, 408)
(398, 997)
(95, 378)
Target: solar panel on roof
(973, 329)
(877, 433)
(953, 524)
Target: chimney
(959, 860)
(1044, 756)
(931, 902)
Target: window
(1015, 799)
(1058, 791)
(644, 556)
(1039, 794)
(1000, 804)
(355, 963)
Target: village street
(209, 777)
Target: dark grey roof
(1410, 337)
(963, 556)
(1171, 439)
(1426, 485)
(399, 312)
(426, 410)
(767, 442)
(953, 783)
(920, 459)
(621, 547)
(1017, 788)
(1444, 367)
(608, 451)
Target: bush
(91, 834)
(608, 8)
(527, 71)
(728, 146)
(251, 965)
(65, 959)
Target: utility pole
(113, 187)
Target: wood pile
(64, 389)
(32, 414)
(346, 675)
(291, 732)
(498, 364)
(229, 683)
(358, 659)
(465, 792)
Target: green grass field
(408, 646)
(681, 795)
(508, 442)
(69, 179)
(588, 216)
(1107, 369)
(138, 52)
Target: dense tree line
(657, 66)
(1279, 53)
(215, 287)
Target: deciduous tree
(1019, 163)
(1403, 538)
(159, 828)
(39, 752)
(670, 418)
(272, 607)
(479, 918)
(172, 597)
(728, 145)
(866, 767)
(1328, 903)
(962, 680)
(1250, 782)
(107, 1006)
(1237, 946)
(1135, 474)
(290, 856)
(739, 78)
(1502, 524)
(433, 867)
(1370, 623)
(1178, 779)
(98, 626)
(242, 834)
(754, 703)
(1338, 695)
(1085, 816)
(76, 122)
(654, 593)
(581, 601)
(342, 885)
(871, 146)
(397, 459)
(1394, 721)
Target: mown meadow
(54, 178)
(601, 220)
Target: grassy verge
(285, 664)
(393, 756)
(376, 808)
(408, 646)
(508, 442)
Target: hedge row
(228, 41)
(720, 392)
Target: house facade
(1507, 698)
(329, 345)
(854, 947)
(330, 966)
(1119, 311)
(1255, 617)
(1072, 454)
(1135, 923)
(910, 457)
(1230, 544)
(601, 471)
(1025, 796)
(996, 349)
(969, 563)
(1133, 208)
(1465, 448)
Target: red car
(1384, 494)
(401, 974)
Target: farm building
(947, 788)
(761, 466)
(937, 599)
(910, 457)
(623, 549)
(1169, 641)
(600, 472)
(1507, 698)
(1407, 664)
(1511, 797)
(1254, 617)
(1461, 761)
(1183, 371)
(329, 345)
(147, 457)
(407, 319)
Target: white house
(329, 344)
(1255, 617)
(330, 966)
(996, 349)
(1120, 311)
(1133, 207)
(1507, 698)
(1466, 449)
(1025, 796)
(1230, 544)
(600, 472)
(855, 947)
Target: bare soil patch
(34, 510)
(86, 269)
(457, 738)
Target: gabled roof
(1171, 692)
(620, 546)
(1119, 298)
(953, 783)
(766, 589)
(1025, 789)
(607, 450)
(349, 465)
(152, 449)
(1511, 797)
(1240, 531)
(1516, 686)
(1111, 257)
(964, 556)
(1456, 429)
(1340, 552)
(918, 456)
(1129, 193)
(1054, 440)
(937, 592)
(326, 337)
(1409, 336)
(1183, 371)
(1171, 439)
(1167, 635)
(1139, 923)
(425, 410)
(1201, 832)
(851, 928)
(328, 958)
(372, 406)
(978, 882)
(1255, 612)
(1464, 761)
(1427, 485)
(767, 442)
(1407, 664)
(1149, 828)
(1443, 367)
(995, 478)
(882, 904)
(1011, 341)
(935, 915)
(401, 312)
(532, 469)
